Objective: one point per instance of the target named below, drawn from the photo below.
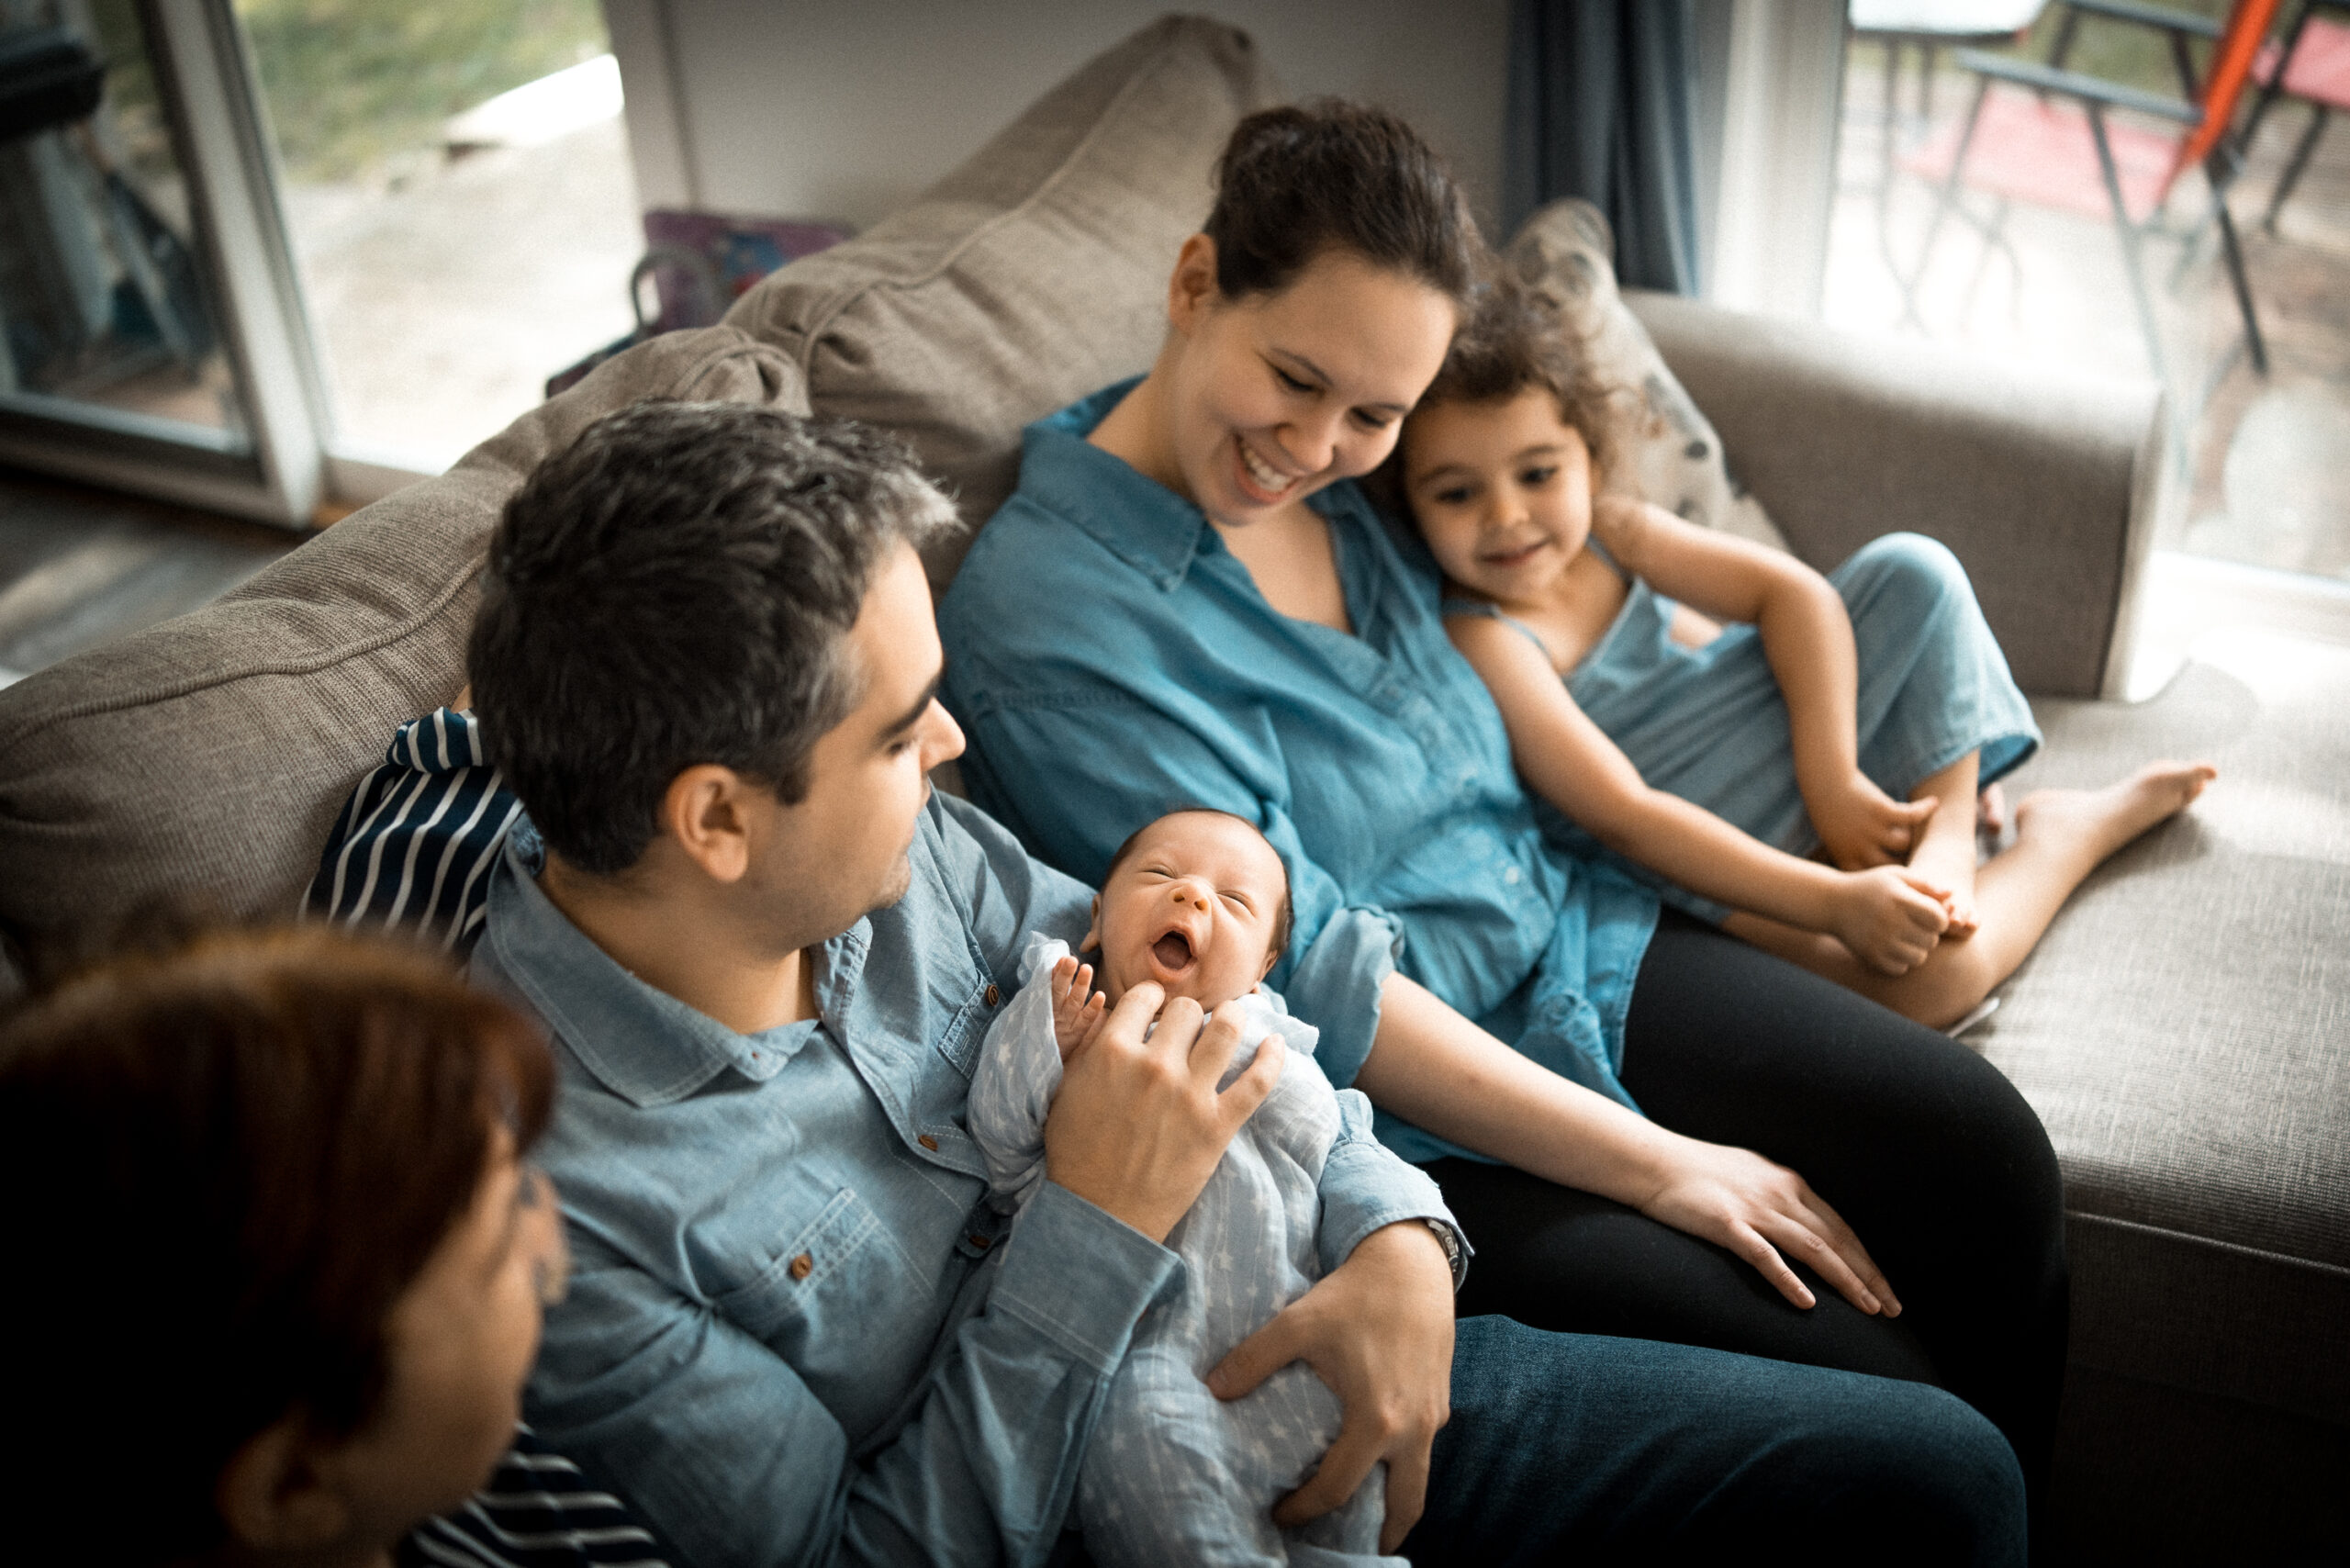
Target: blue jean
(1575, 1448)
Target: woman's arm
(1435, 1068)
(1808, 638)
(1891, 918)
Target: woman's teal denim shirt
(797, 1331)
(1111, 659)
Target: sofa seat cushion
(2184, 1031)
(1033, 273)
(204, 759)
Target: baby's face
(1501, 491)
(1193, 906)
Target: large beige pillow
(1567, 254)
(1033, 274)
(207, 756)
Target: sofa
(2183, 1030)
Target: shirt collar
(644, 1044)
(1137, 519)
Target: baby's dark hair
(1297, 181)
(1513, 340)
(1284, 918)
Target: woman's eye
(1291, 382)
(1369, 420)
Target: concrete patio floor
(2265, 475)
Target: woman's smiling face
(1273, 396)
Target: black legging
(1928, 1153)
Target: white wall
(846, 108)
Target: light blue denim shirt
(797, 1331)
(1111, 659)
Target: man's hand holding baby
(1138, 1125)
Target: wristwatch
(1456, 1255)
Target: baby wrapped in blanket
(1198, 902)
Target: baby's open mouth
(1174, 952)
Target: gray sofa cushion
(2180, 1030)
(207, 757)
(1033, 274)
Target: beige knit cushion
(204, 759)
(1031, 275)
(1567, 254)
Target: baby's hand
(1891, 917)
(1861, 825)
(1077, 1006)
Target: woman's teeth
(1268, 479)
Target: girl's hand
(1735, 1198)
(1077, 1006)
(1861, 825)
(1891, 917)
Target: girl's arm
(1808, 638)
(1890, 918)
(1435, 1068)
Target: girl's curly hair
(1513, 340)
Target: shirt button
(801, 1265)
(994, 996)
(928, 1142)
(1510, 876)
(981, 1242)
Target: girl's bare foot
(2095, 823)
(1991, 812)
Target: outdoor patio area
(2265, 471)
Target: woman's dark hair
(1298, 181)
(1513, 340)
(225, 1161)
(676, 588)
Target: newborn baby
(1198, 902)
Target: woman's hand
(1735, 1198)
(1378, 1330)
(1891, 917)
(1861, 825)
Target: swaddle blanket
(1172, 1473)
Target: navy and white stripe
(538, 1511)
(413, 846)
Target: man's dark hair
(675, 588)
(1284, 917)
(1302, 179)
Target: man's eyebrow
(921, 706)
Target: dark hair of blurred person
(276, 1269)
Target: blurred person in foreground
(278, 1264)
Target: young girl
(1858, 714)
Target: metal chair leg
(2234, 253)
(1943, 205)
(2132, 263)
(2293, 167)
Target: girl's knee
(1904, 569)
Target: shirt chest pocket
(840, 1301)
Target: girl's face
(1272, 397)
(1501, 491)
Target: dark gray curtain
(1601, 107)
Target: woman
(1189, 601)
(290, 1265)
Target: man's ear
(1093, 938)
(706, 811)
(1191, 288)
(272, 1496)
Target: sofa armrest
(2043, 483)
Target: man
(706, 663)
